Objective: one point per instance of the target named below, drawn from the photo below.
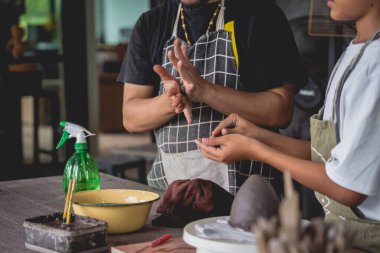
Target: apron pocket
(193, 164)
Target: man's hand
(171, 88)
(194, 84)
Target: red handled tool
(156, 242)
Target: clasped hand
(193, 83)
(179, 102)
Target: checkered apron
(214, 59)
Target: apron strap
(220, 20)
(175, 28)
(333, 75)
(321, 110)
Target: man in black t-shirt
(213, 58)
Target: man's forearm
(143, 114)
(263, 108)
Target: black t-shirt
(268, 55)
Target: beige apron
(324, 137)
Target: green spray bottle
(80, 165)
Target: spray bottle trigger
(86, 132)
(64, 138)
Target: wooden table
(22, 199)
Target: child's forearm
(293, 147)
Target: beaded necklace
(209, 24)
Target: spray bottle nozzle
(73, 130)
(64, 138)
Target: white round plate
(204, 245)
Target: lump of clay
(256, 198)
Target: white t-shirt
(356, 163)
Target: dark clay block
(49, 232)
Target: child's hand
(235, 124)
(228, 148)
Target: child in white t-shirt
(345, 159)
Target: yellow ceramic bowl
(124, 210)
